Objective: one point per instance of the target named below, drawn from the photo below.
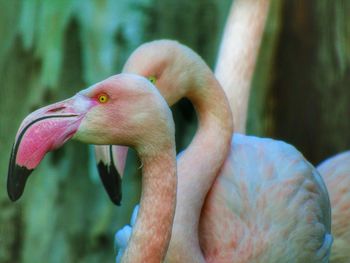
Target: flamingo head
(172, 67)
(119, 110)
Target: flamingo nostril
(57, 109)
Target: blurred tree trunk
(48, 51)
(311, 90)
(301, 86)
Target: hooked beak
(111, 161)
(42, 131)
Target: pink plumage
(266, 202)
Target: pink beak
(42, 131)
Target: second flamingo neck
(198, 167)
(208, 150)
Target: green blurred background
(49, 50)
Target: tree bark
(310, 93)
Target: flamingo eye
(102, 98)
(152, 79)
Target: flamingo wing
(268, 204)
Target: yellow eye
(102, 98)
(152, 79)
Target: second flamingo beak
(111, 161)
(40, 132)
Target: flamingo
(246, 200)
(336, 174)
(124, 109)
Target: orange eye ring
(102, 98)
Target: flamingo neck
(151, 234)
(238, 54)
(199, 165)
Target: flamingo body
(265, 203)
(336, 174)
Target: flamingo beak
(111, 161)
(42, 131)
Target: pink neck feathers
(238, 54)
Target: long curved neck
(238, 53)
(152, 231)
(209, 148)
(199, 165)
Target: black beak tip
(16, 180)
(111, 181)
(116, 200)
